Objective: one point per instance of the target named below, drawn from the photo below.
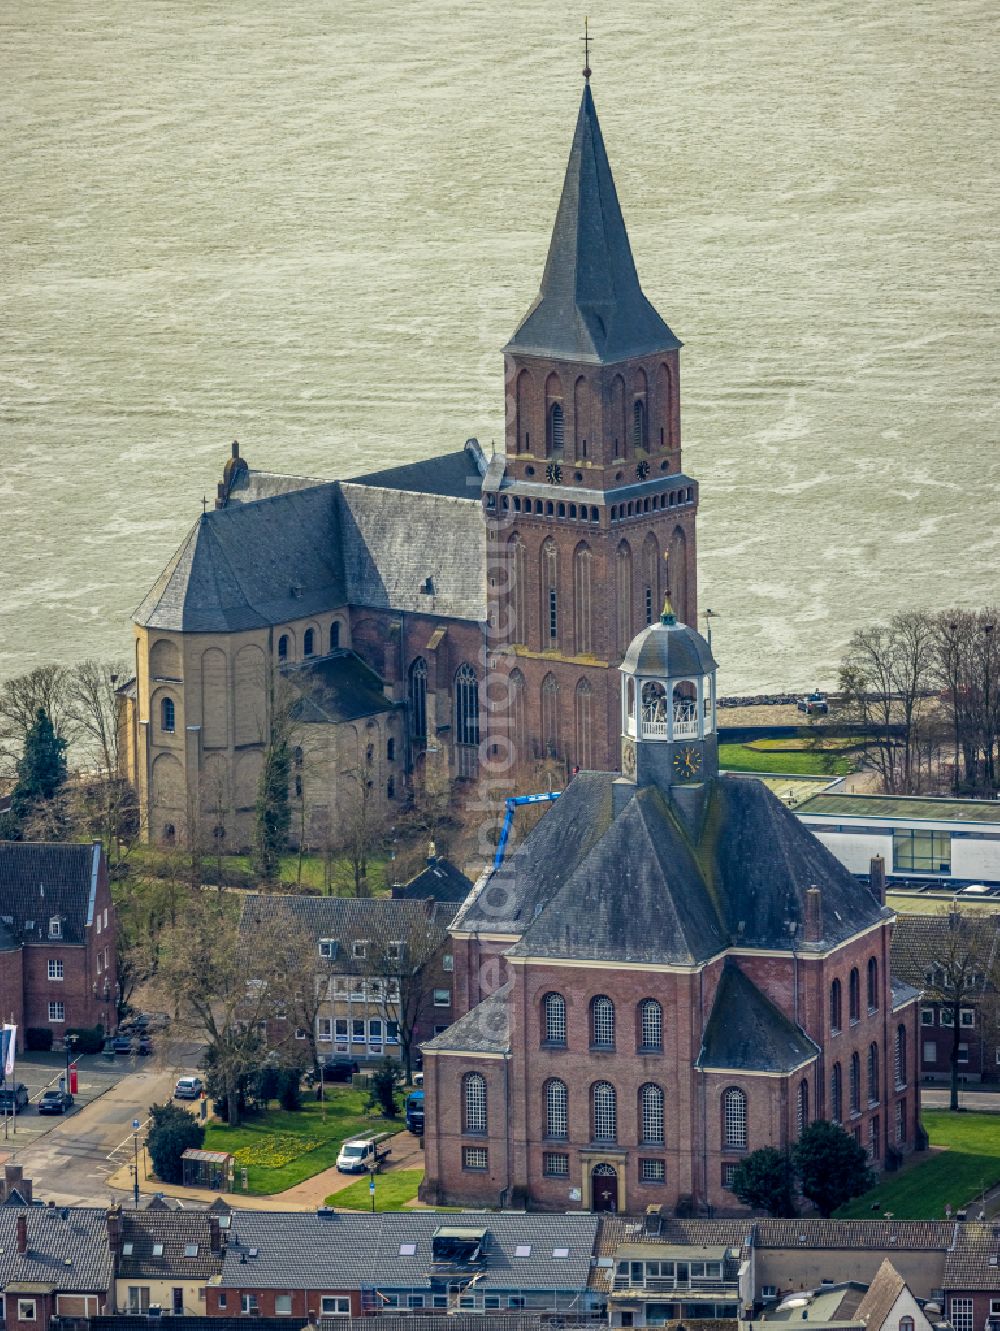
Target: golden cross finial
(586, 39)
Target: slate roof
(967, 1265)
(40, 879)
(485, 1029)
(902, 993)
(508, 900)
(375, 920)
(251, 565)
(69, 1254)
(174, 1230)
(455, 474)
(881, 1296)
(590, 306)
(439, 881)
(394, 541)
(747, 1033)
(249, 486)
(639, 889)
(669, 650)
(334, 688)
(340, 1250)
(919, 942)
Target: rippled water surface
(312, 226)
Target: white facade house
(920, 838)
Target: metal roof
(902, 808)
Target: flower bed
(277, 1150)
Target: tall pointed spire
(590, 306)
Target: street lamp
(136, 1125)
(709, 616)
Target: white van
(359, 1155)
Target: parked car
(142, 1045)
(122, 1044)
(141, 1023)
(415, 1113)
(13, 1099)
(360, 1154)
(339, 1069)
(815, 705)
(55, 1102)
(188, 1088)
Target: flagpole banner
(8, 1045)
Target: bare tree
(20, 699)
(407, 970)
(963, 965)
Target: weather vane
(586, 39)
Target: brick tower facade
(590, 508)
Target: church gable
(747, 1033)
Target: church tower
(590, 500)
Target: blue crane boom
(515, 802)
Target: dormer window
(359, 950)
(55, 927)
(328, 948)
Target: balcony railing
(698, 1285)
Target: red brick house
(57, 938)
(53, 1264)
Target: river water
(311, 226)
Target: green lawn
(392, 1191)
(958, 1175)
(237, 870)
(297, 1145)
(782, 762)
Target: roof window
(407, 1249)
(560, 1252)
(523, 1250)
(126, 1250)
(157, 1249)
(190, 1250)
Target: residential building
(384, 972)
(930, 954)
(920, 838)
(58, 936)
(440, 880)
(971, 1281)
(53, 1264)
(164, 1259)
(889, 1304)
(338, 1264)
(554, 549)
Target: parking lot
(39, 1072)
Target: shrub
(382, 1088)
(38, 1039)
(89, 1039)
(290, 1089)
(171, 1132)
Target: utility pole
(136, 1125)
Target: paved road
(70, 1164)
(936, 1097)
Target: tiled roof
(439, 881)
(974, 1260)
(342, 1250)
(922, 942)
(455, 474)
(39, 880)
(374, 920)
(640, 889)
(881, 1297)
(485, 1029)
(172, 1232)
(746, 1032)
(395, 544)
(334, 688)
(67, 1249)
(902, 993)
(590, 306)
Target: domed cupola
(668, 706)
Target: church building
(668, 973)
(376, 605)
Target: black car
(339, 1069)
(13, 1099)
(55, 1102)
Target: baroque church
(377, 606)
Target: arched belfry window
(638, 424)
(556, 425)
(418, 699)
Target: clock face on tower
(687, 763)
(628, 757)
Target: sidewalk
(311, 1193)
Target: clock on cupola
(668, 706)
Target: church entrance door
(604, 1188)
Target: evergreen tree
(832, 1167)
(41, 772)
(172, 1131)
(273, 815)
(764, 1182)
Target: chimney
(876, 878)
(431, 853)
(22, 1233)
(114, 1220)
(214, 1234)
(236, 448)
(813, 930)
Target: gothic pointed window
(872, 985)
(550, 716)
(582, 567)
(639, 424)
(549, 573)
(519, 727)
(584, 725)
(854, 989)
(517, 572)
(418, 699)
(855, 1084)
(836, 1094)
(835, 1007)
(556, 435)
(466, 705)
(873, 1077)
